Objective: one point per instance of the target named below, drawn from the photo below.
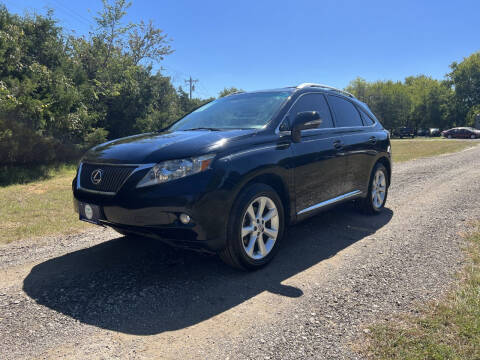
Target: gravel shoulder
(99, 295)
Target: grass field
(38, 202)
(449, 330)
(39, 208)
(406, 149)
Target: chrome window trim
(330, 201)
(288, 132)
(138, 167)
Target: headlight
(175, 169)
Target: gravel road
(101, 296)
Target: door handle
(372, 140)
(337, 144)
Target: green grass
(39, 208)
(449, 330)
(406, 149)
(23, 174)
(37, 201)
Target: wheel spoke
(261, 207)
(251, 244)
(271, 233)
(270, 214)
(251, 213)
(247, 230)
(261, 246)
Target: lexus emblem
(96, 176)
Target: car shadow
(143, 287)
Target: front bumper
(154, 211)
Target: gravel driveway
(98, 295)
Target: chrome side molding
(330, 201)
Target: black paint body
(325, 164)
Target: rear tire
(375, 201)
(255, 228)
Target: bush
(20, 145)
(97, 136)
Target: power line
(191, 82)
(72, 14)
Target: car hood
(156, 147)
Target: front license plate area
(90, 213)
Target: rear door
(318, 158)
(358, 142)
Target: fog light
(184, 218)
(88, 212)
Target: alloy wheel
(379, 188)
(260, 226)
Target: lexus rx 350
(229, 176)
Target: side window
(346, 114)
(313, 102)
(367, 120)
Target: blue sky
(267, 44)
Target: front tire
(255, 228)
(377, 191)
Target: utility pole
(191, 83)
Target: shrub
(95, 137)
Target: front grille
(112, 177)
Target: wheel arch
(277, 183)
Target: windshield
(241, 111)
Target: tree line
(61, 93)
(422, 102)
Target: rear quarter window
(367, 120)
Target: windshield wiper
(203, 128)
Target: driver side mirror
(303, 121)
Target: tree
(110, 28)
(465, 78)
(147, 42)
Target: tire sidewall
(236, 221)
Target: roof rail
(304, 85)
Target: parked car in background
(404, 131)
(229, 176)
(433, 132)
(461, 133)
(422, 132)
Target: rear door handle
(372, 140)
(337, 144)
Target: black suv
(229, 176)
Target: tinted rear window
(346, 114)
